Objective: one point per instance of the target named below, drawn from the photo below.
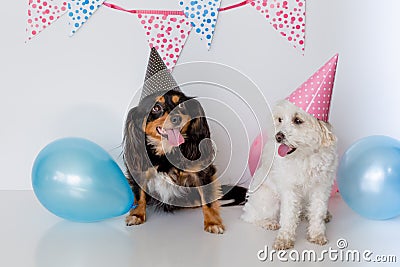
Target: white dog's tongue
(174, 137)
(283, 150)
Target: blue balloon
(78, 180)
(369, 177)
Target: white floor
(31, 236)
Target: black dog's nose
(176, 119)
(279, 137)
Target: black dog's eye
(156, 109)
(181, 105)
(297, 121)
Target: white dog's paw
(319, 239)
(269, 224)
(283, 244)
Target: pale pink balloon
(255, 152)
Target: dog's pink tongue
(283, 150)
(174, 137)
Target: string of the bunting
(235, 5)
(171, 12)
(153, 12)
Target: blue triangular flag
(203, 15)
(79, 11)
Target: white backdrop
(56, 86)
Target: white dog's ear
(327, 137)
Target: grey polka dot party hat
(158, 77)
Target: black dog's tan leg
(137, 215)
(212, 220)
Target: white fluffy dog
(299, 181)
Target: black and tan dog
(169, 157)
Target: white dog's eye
(279, 120)
(297, 121)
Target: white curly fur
(297, 184)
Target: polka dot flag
(41, 14)
(288, 17)
(203, 15)
(79, 11)
(167, 34)
(314, 95)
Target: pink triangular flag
(41, 13)
(314, 95)
(167, 34)
(288, 17)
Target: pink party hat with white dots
(314, 95)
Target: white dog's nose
(279, 137)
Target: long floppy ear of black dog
(134, 143)
(197, 131)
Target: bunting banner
(203, 15)
(42, 14)
(79, 11)
(288, 17)
(167, 34)
(168, 30)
